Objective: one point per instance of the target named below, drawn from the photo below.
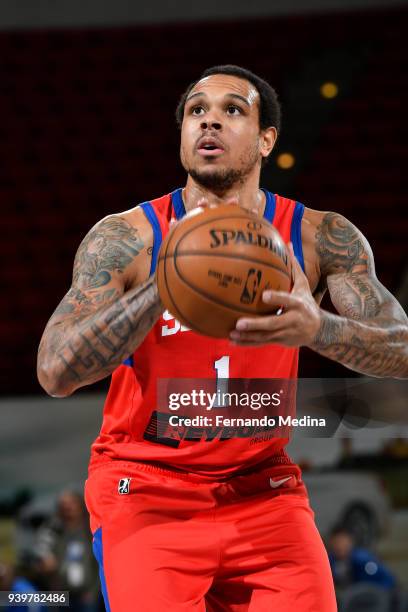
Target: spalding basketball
(214, 265)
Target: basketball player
(196, 524)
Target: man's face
(221, 141)
(69, 507)
(341, 545)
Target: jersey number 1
(221, 367)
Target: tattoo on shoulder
(109, 247)
(340, 246)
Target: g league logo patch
(124, 486)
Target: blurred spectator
(64, 552)
(351, 565)
(397, 448)
(11, 581)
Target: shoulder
(144, 216)
(130, 221)
(119, 244)
(361, 555)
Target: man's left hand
(298, 323)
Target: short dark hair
(269, 107)
(340, 529)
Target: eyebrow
(228, 95)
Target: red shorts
(174, 542)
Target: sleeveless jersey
(133, 428)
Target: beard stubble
(220, 180)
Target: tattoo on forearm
(328, 334)
(110, 246)
(93, 346)
(364, 348)
(339, 245)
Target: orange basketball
(214, 265)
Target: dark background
(88, 129)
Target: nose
(211, 124)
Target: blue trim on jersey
(270, 206)
(98, 552)
(157, 234)
(296, 233)
(128, 362)
(179, 208)
(178, 204)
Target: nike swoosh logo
(277, 483)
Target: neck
(247, 195)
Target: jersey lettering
(170, 330)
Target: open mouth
(209, 148)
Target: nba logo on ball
(124, 486)
(251, 286)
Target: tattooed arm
(371, 335)
(107, 312)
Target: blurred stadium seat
(365, 598)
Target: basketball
(214, 265)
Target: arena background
(87, 98)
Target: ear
(267, 139)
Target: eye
(197, 110)
(233, 110)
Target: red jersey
(135, 429)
